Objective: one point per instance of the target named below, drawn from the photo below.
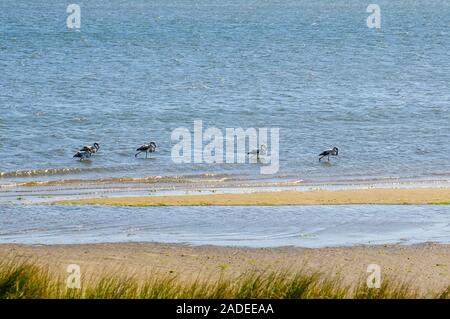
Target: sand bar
(316, 197)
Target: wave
(202, 180)
(176, 179)
(422, 178)
(57, 171)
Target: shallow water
(136, 70)
(303, 226)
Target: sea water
(136, 70)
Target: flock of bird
(88, 150)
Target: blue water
(302, 226)
(136, 70)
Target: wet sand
(392, 196)
(426, 267)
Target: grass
(24, 280)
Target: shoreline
(425, 266)
(384, 196)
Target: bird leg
(146, 153)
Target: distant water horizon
(137, 70)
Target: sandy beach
(425, 267)
(394, 196)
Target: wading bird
(333, 152)
(260, 151)
(90, 148)
(147, 148)
(82, 155)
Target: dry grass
(25, 280)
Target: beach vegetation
(25, 280)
